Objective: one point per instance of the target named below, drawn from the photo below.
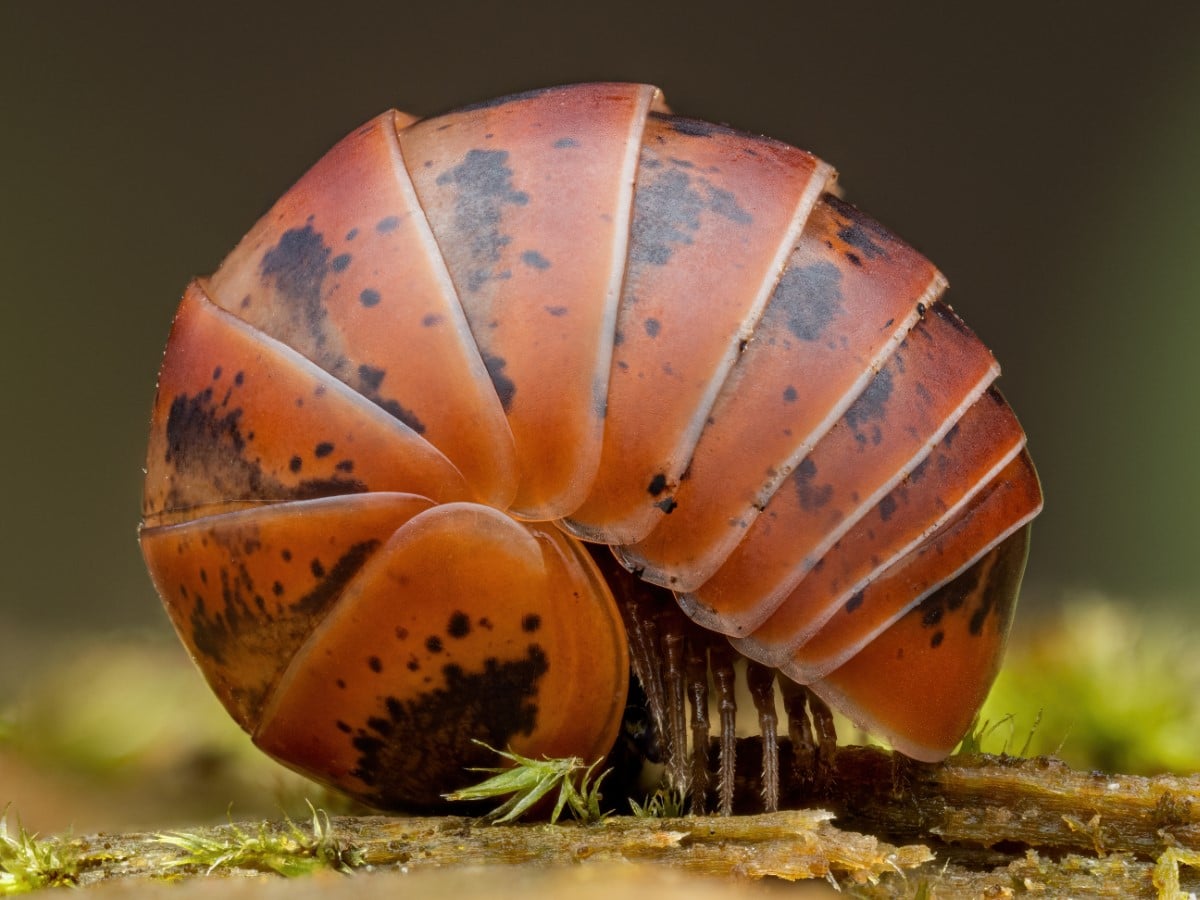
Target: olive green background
(1044, 156)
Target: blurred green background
(1044, 155)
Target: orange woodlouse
(460, 346)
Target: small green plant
(27, 863)
(983, 729)
(664, 803)
(290, 852)
(529, 780)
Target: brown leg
(697, 687)
(721, 659)
(761, 681)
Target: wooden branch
(969, 826)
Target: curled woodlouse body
(397, 429)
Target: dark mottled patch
(370, 379)
(208, 452)
(658, 484)
(433, 644)
(369, 297)
(341, 262)
(565, 143)
(240, 627)
(459, 625)
(870, 408)
(811, 298)
(298, 265)
(535, 260)
(723, 203)
(811, 495)
(421, 747)
(531, 622)
(690, 127)
(887, 507)
(505, 388)
(351, 234)
(430, 319)
(652, 326)
(667, 211)
(483, 185)
(854, 602)
(950, 435)
(389, 223)
(855, 259)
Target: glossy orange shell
(459, 345)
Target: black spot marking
(789, 394)
(375, 664)
(811, 297)
(652, 327)
(811, 496)
(345, 465)
(430, 319)
(854, 602)
(936, 640)
(887, 507)
(433, 644)
(317, 569)
(369, 297)
(351, 234)
(341, 262)
(390, 223)
(658, 484)
(565, 143)
(322, 450)
(418, 748)
(459, 625)
(531, 623)
(277, 589)
(534, 259)
(295, 463)
(667, 505)
(505, 388)
(556, 311)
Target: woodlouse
(460, 346)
